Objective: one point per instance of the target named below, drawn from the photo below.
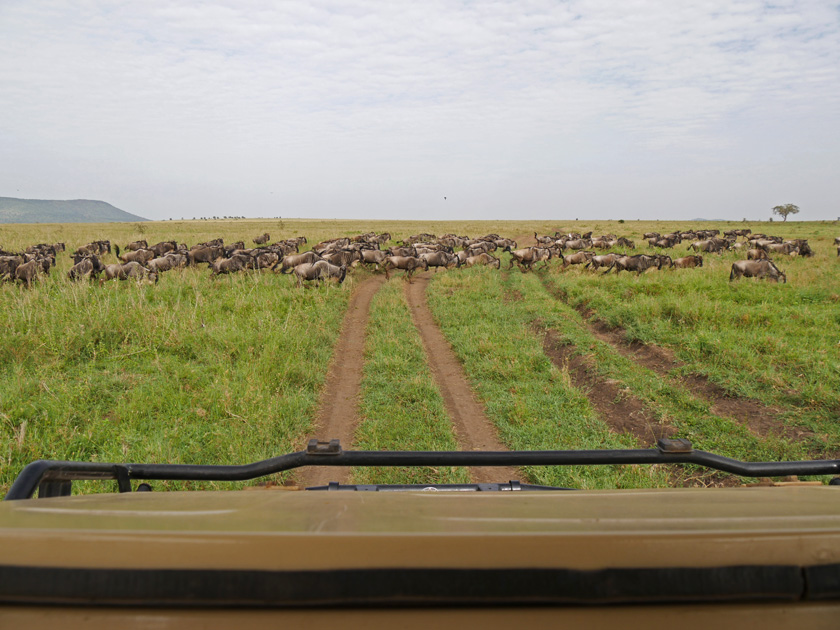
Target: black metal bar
(27, 482)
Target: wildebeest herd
(331, 259)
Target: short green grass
(402, 408)
(533, 404)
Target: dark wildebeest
(89, 266)
(638, 263)
(204, 255)
(688, 261)
(318, 271)
(409, 263)
(262, 240)
(483, 259)
(164, 247)
(756, 269)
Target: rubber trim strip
(413, 587)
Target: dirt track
(338, 416)
(338, 408)
(473, 429)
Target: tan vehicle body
(270, 535)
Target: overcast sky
(363, 109)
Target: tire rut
(338, 408)
(760, 419)
(473, 430)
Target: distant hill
(75, 211)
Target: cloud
(234, 99)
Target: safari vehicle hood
(366, 547)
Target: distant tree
(785, 210)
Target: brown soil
(623, 412)
(761, 419)
(473, 429)
(338, 408)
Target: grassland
(226, 370)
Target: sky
(584, 109)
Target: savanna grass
(195, 369)
(402, 408)
(533, 404)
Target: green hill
(74, 211)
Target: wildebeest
(165, 263)
(27, 272)
(131, 269)
(525, 258)
(757, 254)
(605, 260)
(290, 262)
(205, 254)
(373, 257)
(164, 247)
(134, 246)
(90, 266)
(578, 258)
(688, 261)
(441, 259)
(141, 256)
(638, 263)
(262, 240)
(483, 259)
(756, 269)
(408, 263)
(319, 270)
(238, 262)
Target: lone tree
(785, 210)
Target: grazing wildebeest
(318, 271)
(89, 266)
(131, 269)
(409, 263)
(483, 259)
(262, 240)
(756, 269)
(688, 261)
(525, 258)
